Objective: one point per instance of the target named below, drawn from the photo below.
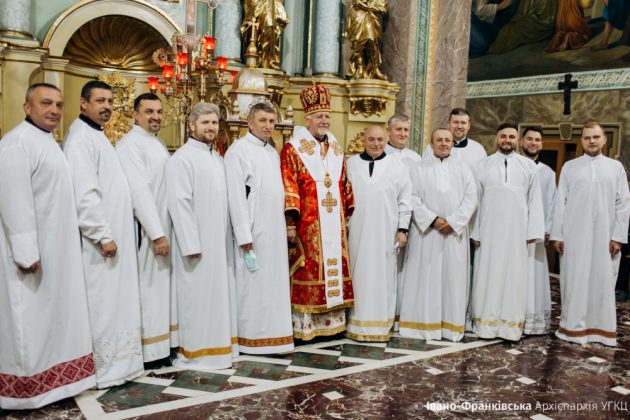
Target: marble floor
(539, 377)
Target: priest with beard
(538, 316)
(509, 217)
(198, 205)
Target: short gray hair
(260, 106)
(203, 108)
(397, 117)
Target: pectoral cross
(566, 87)
(329, 202)
(307, 146)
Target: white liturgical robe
(44, 327)
(538, 315)
(412, 160)
(198, 205)
(256, 203)
(105, 214)
(382, 206)
(467, 150)
(143, 157)
(592, 208)
(510, 213)
(437, 267)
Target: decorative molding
(587, 81)
(420, 71)
(115, 42)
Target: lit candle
(222, 63)
(167, 72)
(182, 58)
(154, 84)
(209, 42)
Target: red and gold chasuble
(317, 188)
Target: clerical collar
(323, 139)
(462, 143)
(536, 161)
(90, 122)
(28, 120)
(264, 143)
(370, 159)
(367, 157)
(199, 144)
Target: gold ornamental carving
(364, 31)
(124, 94)
(267, 19)
(115, 42)
(356, 144)
(368, 106)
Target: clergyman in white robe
(198, 206)
(143, 157)
(510, 213)
(411, 160)
(44, 326)
(382, 206)
(105, 214)
(592, 208)
(256, 203)
(437, 267)
(538, 315)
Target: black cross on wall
(566, 87)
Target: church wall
(611, 106)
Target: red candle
(167, 72)
(233, 74)
(209, 42)
(182, 58)
(154, 84)
(222, 63)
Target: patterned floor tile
(200, 381)
(259, 370)
(318, 361)
(131, 395)
(363, 352)
(411, 344)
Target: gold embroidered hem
(174, 327)
(214, 351)
(369, 337)
(499, 322)
(234, 340)
(156, 339)
(382, 324)
(588, 331)
(318, 333)
(321, 309)
(265, 342)
(432, 326)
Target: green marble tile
(363, 352)
(317, 361)
(411, 344)
(131, 395)
(200, 381)
(260, 370)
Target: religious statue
(267, 18)
(363, 30)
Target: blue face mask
(250, 261)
